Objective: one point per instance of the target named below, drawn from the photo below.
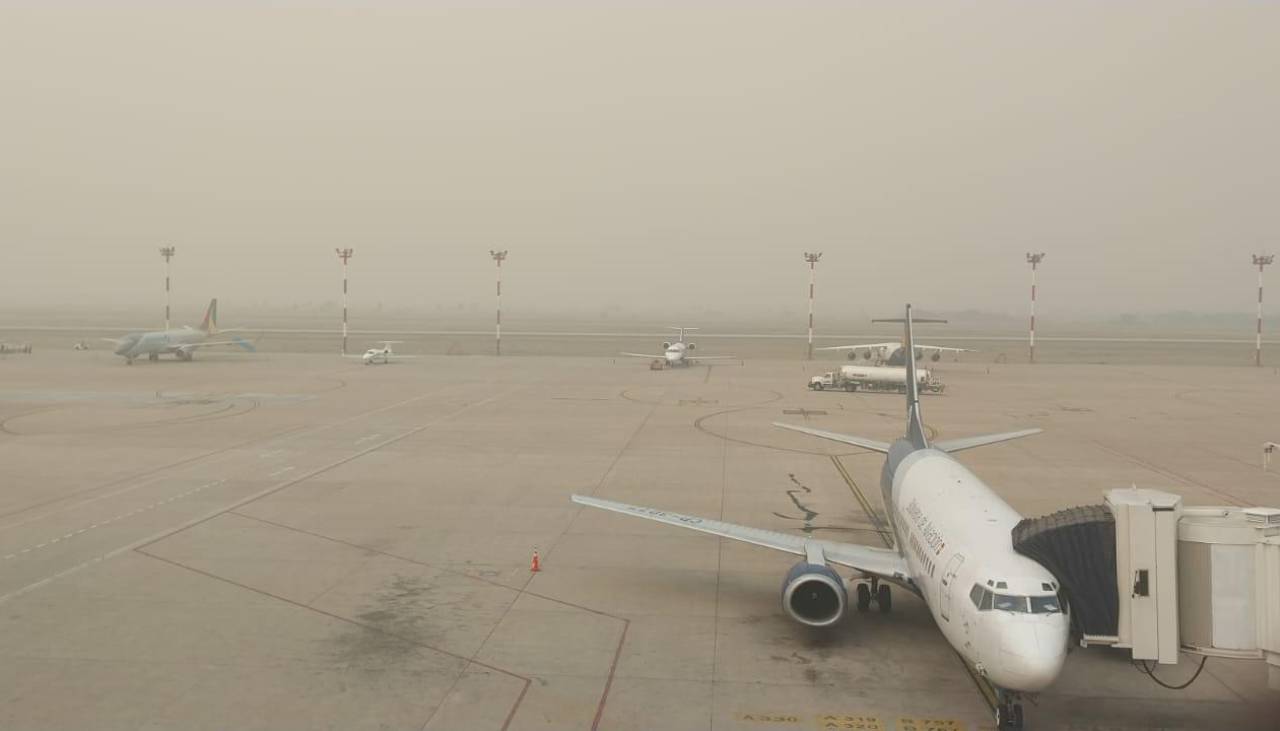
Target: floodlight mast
(344, 255)
(1034, 260)
(1261, 261)
(498, 257)
(167, 253)
(812, 258)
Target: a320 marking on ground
(849, 722)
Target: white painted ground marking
(231, 453)
(367, 438)
(277, 473)
(118, 517)
(243, 501)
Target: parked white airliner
(952, 547)
(680, 353)
(893, 354)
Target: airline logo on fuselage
(932, 537)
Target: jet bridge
(1145, 573)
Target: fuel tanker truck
(874, 378)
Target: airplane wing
(642, 355)
(864, 346)
(882, 562)
(696, 358)
(894, 346)
(234, 341)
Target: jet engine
(814, 595)
(691, 346)
(937, 356)
(666, 346)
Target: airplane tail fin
(210, 322)
(915, 423)
(681, 330)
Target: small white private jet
(680, 353)
(381, 353)
(892, 353)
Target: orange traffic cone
(535, 566)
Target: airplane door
(948, 582)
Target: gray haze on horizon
(655, 158)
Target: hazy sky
(685, 153)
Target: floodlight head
(812, 258)
(498, 256)
(1034, 258)
(166, 252)
(345, 254)
(1263, 260)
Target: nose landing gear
(1008, 711)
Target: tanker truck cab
(831, 379)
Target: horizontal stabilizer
(873, 445)
(956, 445)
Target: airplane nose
(125, 345)
(1031, 655)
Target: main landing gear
(1008, 711)
(873, 590)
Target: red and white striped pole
(498, 257)
(167, 253)
(1260, 260)
(812, 258)
(344, 254)
(1033, 260)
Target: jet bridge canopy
(1078, 546)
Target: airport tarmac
(295, 541)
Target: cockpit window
(1010, 603)
(1045, 605)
